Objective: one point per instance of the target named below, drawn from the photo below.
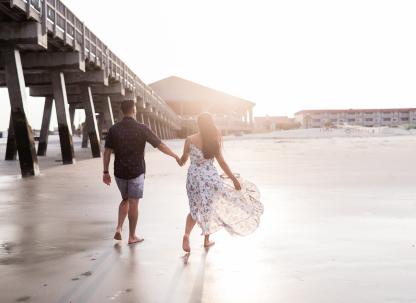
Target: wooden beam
(22, 130)
(44, 130)
(43, 61)
(91, 120)
(23, 33)
(11, 148)
(62, 114)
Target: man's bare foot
(185, 244)
(207, 242)
(117, 235)
(135, 240)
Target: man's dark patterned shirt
(127, 139)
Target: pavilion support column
(108, 113)
(165, 130)
(100, 124)
(118, 116)
(90, 120)
(154, 126)
(11, 149)
(250, 113)
(62, 114)
(84, 143)
(160, 128)
(147, 121)
(139, 117)
(72, 117)
(25, 142)
(172, 133)
(44, 130)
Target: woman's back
(195, 152)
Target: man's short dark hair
(127, 106)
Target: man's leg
(123, 209)
(133, 216)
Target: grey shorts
(131, 188)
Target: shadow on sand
(198, 285)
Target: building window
(405, 119)
(386, 119)
(351, 120)
(334, 120)
(369, 119)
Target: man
(127, 139)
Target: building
(361, 117)
(189, 99)
(271, 123)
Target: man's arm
(166, 150)
(155, 141)
(106, 164)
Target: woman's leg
(207, 242)
(190, 223)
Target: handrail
(77, 35)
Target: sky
(283, 55)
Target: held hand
(179, 161)
(107, 179)
(237, 184)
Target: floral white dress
(215, 204)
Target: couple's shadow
(198, 282)
(178, 277)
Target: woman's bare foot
(185, 244)
(207, 242)
(135, 240)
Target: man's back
(127, 139)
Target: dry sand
(339, 226)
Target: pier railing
(62, 23)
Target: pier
(46, 47)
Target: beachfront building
(272, 123)
(189, 99)
(391, 117)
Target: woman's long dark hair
(211, 137)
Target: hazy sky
(283, 55)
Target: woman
(213, 203)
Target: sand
(339, 226)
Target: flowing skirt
(215, 204)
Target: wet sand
(339, 226)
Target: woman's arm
(185, 155)
(224, 166)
